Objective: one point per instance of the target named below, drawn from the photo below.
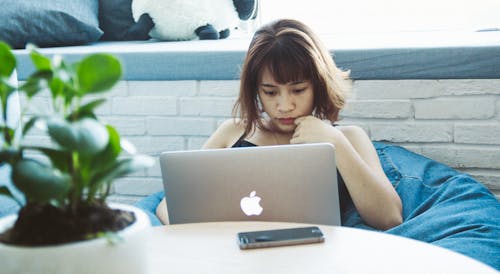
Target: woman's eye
(269, 92)
(299, 90)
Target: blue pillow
(49, 23)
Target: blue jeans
(440, 205)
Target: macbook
(287, 183)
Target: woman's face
(283, 103)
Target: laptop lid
(287, 183)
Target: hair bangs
(288, 64)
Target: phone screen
(280, 237)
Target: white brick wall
(456, 122)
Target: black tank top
(243, 143)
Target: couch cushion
(49, 23)
(115, 19)
(465, 56)
(441, 205)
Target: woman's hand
(313, 130)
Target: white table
(212, 248)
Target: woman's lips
(287, 121)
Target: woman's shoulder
(358, 138)
(232, 126)
(228, 132)
(352, 131)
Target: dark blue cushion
(149, 205)
(49, 23)
(440, 205)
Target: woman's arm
(161, 212)
(373, 195)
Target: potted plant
(65, 184)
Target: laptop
(287, 183)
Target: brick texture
(456, 122)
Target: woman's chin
(285, 129)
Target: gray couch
(63, 27)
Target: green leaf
(87, 136)
(6, 83)
(86, 110)
(28, 125)
(62, 70)
(98, 73)
(5, 191)
(6, 89)
(108, 156)
(57, 87)
(42, 74)
(63, 133)
(121, 168)
(7, 60)
(39, 182)
(93, 136)
(113, 149)
(39, 61)
(36, 82)
(9, 155)
(8, 136)
(31, 87)
(59, 158)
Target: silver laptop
(288, 183)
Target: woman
(291, 93)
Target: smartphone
(280, 237)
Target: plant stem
(6, 135)
(74, 171)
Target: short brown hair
(291, 52)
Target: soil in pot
(40, 225)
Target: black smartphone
(280, 237)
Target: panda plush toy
(173, 20)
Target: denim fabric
(441, 206)
(149, 205)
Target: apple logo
(251, 204)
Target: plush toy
(193, 19)
(123, 20)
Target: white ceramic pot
(92, 256)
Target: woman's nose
(285, 104)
